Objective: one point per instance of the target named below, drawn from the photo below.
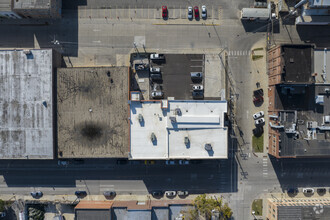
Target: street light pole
(134, 44)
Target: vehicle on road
(170, 193)
(258, 115)
(157, 94)
(196, 161)
(293, 191)
(259, 121)
(157, 56)
(80, 194)
(154, 70)
(258, 131)
(183, 193)
(36, 194)
(63, 162)
(197, 87)
(308, 191)
(164, 12)
(190, 13)
(157, 193)
(321, 191)
(204, 12)
(78, 161)
(184, 162)
(196, 10)
(109, 193)
(170, 162)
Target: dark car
(321, 191)
(122, 162)
(258, 131)
(80, 193)
(257, 100)
(164, 11)
(197, 94)
(196, 10)
(157, 193)
(156, 77)
(109, 193)
(259, 92)
(36, 194)
(293, 191)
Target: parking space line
(196, 66)
(197, 60)
(148, 11)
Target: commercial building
(93, 112)
(26, 100)
(299, 102)
(6, 10)
(298, 208)
(146, 210)
(176, 129)
(314, 12)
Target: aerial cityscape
(164, 110)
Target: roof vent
(153, 137)
(173, 119)
(27, 52)
(291, 60)
(186, 141)
(178, 111)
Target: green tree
(2, 205)
(205, 207)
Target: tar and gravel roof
(92, 112)
(201, 121)
(26, 104)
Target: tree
(2, 205)
(205, 207)
(36, 212)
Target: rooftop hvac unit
(173, 119)
(153, 137)
(311, 124)
(186, 140)
(326, 119)
(27, 52)
(208, 147)
(319, 99)
(178, 111)
(140, 118)
(327, 90)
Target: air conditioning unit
(27, 52)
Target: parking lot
(176, 81)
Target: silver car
(204, 12)
(157, 94)
(190, 13)
(170, 193)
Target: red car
(164, 11)
(196, 12)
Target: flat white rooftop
(199, 121)
(26, 104)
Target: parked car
(156, 77)
(164, 12)
(80, 193)
(183, 162)
(204, 12)
(63, 162)
(259, 121)
(197, 87)
(258, 92)
(36, 194)
(308, 190)
(157, 56)
(257, 100)
(293, 191)
(258, 115)
(197, 94)
(149, 162)
(190, 13)
(321, 190)
(154, 70)
(109, 193)
(157, 94)
(170, 193)
(258, 131)
(157, 193)
(170, 162)
(196, 10)
(122, 161)
(183, 193)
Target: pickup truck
(156, 56)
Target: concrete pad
(214, 77)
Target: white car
(190, 13)
(308, 190)
(170, 193)
(204, 12)
(258, 115)
(154, 69)
(259, 121)
(197, 87)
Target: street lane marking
(196, 66)
(264, 165)
(96, 41)
(200, 24)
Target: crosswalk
(234, 53)
(265, 167)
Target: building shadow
(255, 27)
(314, 34)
